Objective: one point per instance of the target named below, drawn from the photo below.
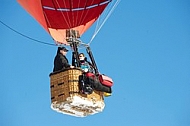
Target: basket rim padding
(56, 72)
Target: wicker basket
(66, 97)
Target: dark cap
(63, 48)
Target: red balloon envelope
(56, 16)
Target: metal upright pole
(71, 37)
(75, 54)
(92, 59)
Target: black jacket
(60, 62)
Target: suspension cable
(108, 15)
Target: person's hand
(85, 69)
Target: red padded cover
(105, 80)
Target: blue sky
(144, 46)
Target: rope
(108, 15)
(38, 41)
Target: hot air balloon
(66, 21)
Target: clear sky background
(144, 46)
